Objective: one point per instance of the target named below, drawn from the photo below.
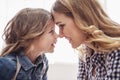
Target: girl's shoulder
(7, 66)
(8, 59)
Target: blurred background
(63, 63)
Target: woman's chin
(75, 46)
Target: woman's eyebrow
(58, 22)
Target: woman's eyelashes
(61, 26)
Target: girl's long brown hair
(20, 31)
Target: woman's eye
(61, 26)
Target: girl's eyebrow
(52, 27)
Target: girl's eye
(52, 31)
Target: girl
(28, 36)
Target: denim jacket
(28, 70)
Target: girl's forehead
(51, 25)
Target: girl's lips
(53, 44)
(68, 39)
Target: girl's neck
(33, 55)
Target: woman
(28, 36)
(89, 30)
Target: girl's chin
(50, 51)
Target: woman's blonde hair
(101, 31)
(24, 27)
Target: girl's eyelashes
(51, 31)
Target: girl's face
(46, 42)
(69, 30)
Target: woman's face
(46, 42)
(68, 29)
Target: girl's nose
(56, 35)
(61, 35)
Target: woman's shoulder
(115, 54)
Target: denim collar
(26, 63)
